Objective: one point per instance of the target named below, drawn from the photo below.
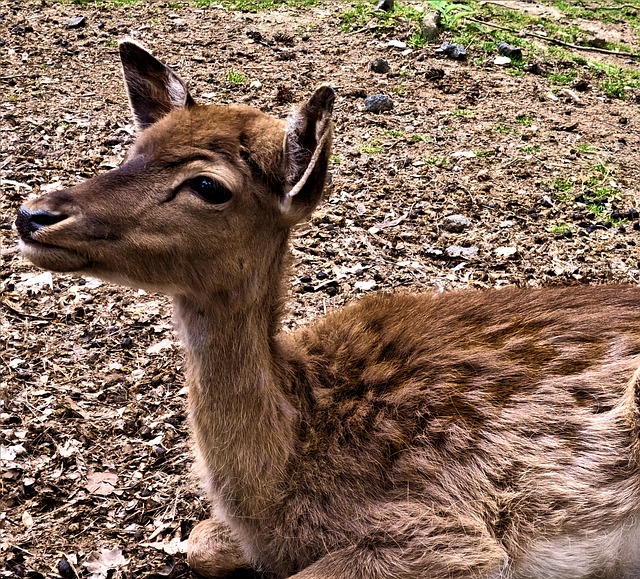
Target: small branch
(630, 6)
(555, 41)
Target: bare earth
(95, 455)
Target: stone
(452, 50)
(76, 22)
(386, 5)
(455, 223)
(510, 50)
(379, 65)
(378, 103)
(463, 252)
(430, 26)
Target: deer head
(203, 200)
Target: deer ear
(307, 146)
(154, 89)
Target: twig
(555, 41)
(631, 6)
(22, 314)
(498, 4)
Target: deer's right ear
(154, 89)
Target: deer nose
(30, 221)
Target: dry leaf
(165, 344)
(173, 547)
(99, 563)
(27, 519)
(101, 483)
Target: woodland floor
(95, 463)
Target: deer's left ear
(154, 89)
(307, 146)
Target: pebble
(378, 103)
(455, 223)
(565, 92)
(430, 26)
(379, 65)
(510, 50)
(535, 68)
(501, 60)
(580, 84)
(386, 5)
(397, 44)
(452, 50)
(463, 252)
(75, 22)
(65, 569)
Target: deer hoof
(211, 552)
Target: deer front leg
(446, 550)
(213, 552)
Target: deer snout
(28, 221)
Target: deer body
(465, 435)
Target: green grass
(437, 161)
(562, 185)
(371, 149)
(101, 3)
(560, 229)
(234, 76)
(257, 5)
(503, 129)
(563, 78)
(525, 120)
(530, 149)
(463, 113)
(585, 148)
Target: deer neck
(243, 423)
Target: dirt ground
(95, 464)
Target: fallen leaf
(173, 547)
(99, 563)
(165, 344)
(27, 519)
(101, 483)
(506, 251)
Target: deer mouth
(52, 257)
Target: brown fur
(463, 435)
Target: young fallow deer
(466, 435)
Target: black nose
(29, 221)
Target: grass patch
(530, 149)
(101, 3)
(585, 148)
(503, 129)
(525, 120)
(234, 76)
(562, 185)
(437, 161)
(463, 113)
(371, 149)
(257, 5)
(561, 230)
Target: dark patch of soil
(95, 447)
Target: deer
(467, 434)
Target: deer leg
(212, 552)
(444, 550)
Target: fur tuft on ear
(307, 146)
(154, 89)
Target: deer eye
(209, 190)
